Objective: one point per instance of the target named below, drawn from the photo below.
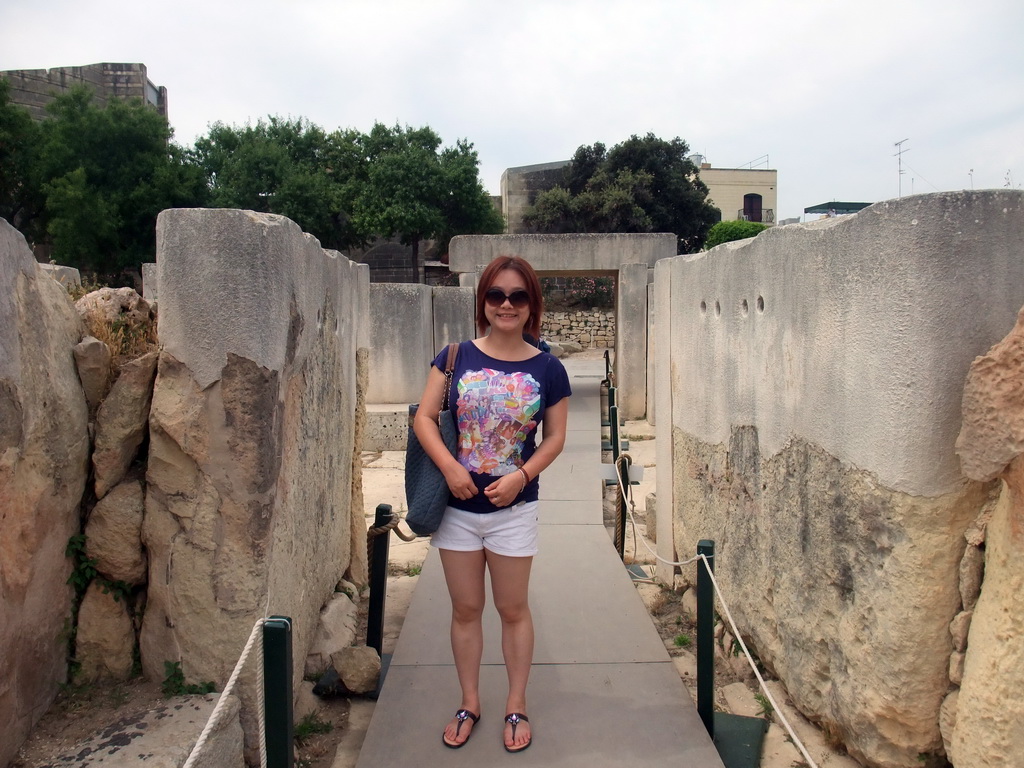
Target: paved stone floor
(603, 690)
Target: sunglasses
(495, 298)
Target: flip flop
(513, 720)
(462, 715)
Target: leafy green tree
(347, 187)
(105, 174)
(21, 201)
(727, 231)
(641, 185)
(417, 192)
(465, 204)
(289, 167)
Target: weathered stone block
(336, 630)
(92, 358)
(972, 571)
(358, 667)
(249, 481)
(822, 618)
(44, 445)
(113, 535)
(105, 638)
(989, 711)
(121, 422)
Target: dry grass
(126, 339)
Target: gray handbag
(426, 490)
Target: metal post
(613, 425)
(277, 691)
(706, 637)
(620, 522)
(378, 581)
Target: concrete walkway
(603, 689)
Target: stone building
(745, 194)
(34, 89)
(742, 194)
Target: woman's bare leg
(464, 573)
(510, 584)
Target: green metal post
(613, 424)
(277, 691)
(706, 637)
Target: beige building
(520, 187)
(742, 194)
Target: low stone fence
(588, 328)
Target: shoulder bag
(426, 490)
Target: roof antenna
(899, 163)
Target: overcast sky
(820, 91)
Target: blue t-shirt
(498, 405)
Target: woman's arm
(504, 490)
(429, 434)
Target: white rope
(725, 609)
(632, 506)
(215, 715)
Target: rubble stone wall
(588, 328)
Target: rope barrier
(215, 716)
(391, 525)
(721, 599)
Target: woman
(502, 388)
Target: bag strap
(449, 371)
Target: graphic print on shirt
(496, 413)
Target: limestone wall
(44, 450)
(249, 500)
(809, 384)
(408, 325)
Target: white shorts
(511, 532)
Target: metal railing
(767, 216)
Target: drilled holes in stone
(744, 307)
(718, 309)
(703, 307)
(760, 303)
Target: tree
(289, 167)
(105, 174)
(641, 185)
(416, 192)
(465, 205)
(347, 187)
(21, 201)
(727, 231)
